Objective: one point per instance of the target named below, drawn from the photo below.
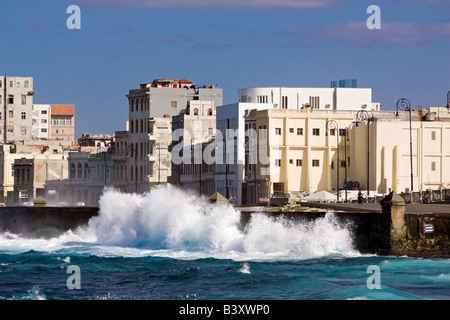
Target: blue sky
(234, 44)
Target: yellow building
(296, 152)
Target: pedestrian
(360, 197)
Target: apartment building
(63, 122)
(303, 152)
(162, 98)
(16, 108)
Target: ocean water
(172, 245)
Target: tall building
(230, 173)
(159, 99)
(16, 108)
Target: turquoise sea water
(171, 245)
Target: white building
(229, 178)
(156, 100)
(314, 98)
(41, 121)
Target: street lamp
(404, 104)
(363, 115)
(448, 99)
(333, 125)
(345, 155)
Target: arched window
(80, 171)
(87, 171)
(210, 112)
(72, 171)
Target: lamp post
(404, 104)
(448, 99)
(363, 115)
(345, 155)
(333, 125)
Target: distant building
(16, 107)
(162, 98)
(23, 174)
(41, 122)
(62, 120)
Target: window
(315, 163)
(44, 130)
(0, 83)
(68, 121)
(23, 131)
(43, 120)
(278, 131)
(11, 113)
(43, 111)
(26, 84)
(11, 84)
(342, 163)
(332, 165)
(284, 102)
(299, 131)
(291, 130)
(433, 166)
(291, 161)
(23, 115)
(433, 135)
(24, 99)
(316, 131)
(11, 99)
(298, 162)
(18, 84)
(195, 112)
(332, 132)
(262, 99)
(343, 132)
(278, 162)
(314, 102)
(173, 104)
(1, 99)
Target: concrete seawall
(44, 222)
(389, 231)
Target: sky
(229, 43)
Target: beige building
(62, 122)
(301, 154)
(20, 185)
(16, 108)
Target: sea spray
(176, 220)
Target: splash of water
(179, 221)
(178, 224)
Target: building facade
(162, 98)
(16, 107)
(305, 153)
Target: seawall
(389, 231)
(44, 222)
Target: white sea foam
(178, 224)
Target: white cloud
(391, 33)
